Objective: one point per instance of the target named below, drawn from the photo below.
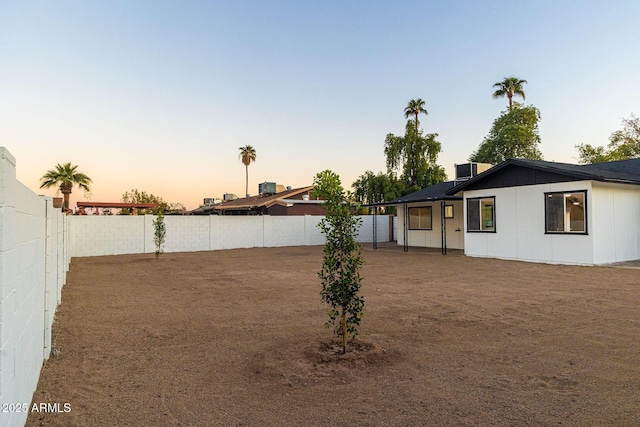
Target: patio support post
(375, 227)
(443, 226)
(405, 226)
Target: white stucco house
(530, 210)
(551, 212)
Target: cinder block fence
(37, 243)
(34, 260)
(114, 235)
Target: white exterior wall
(113, 235)
(33, 266)
(520, 227)
(182, 236)
(56, 266)
(615, 214)
(366, 229)
(283, 231)
(230, 232)
(312, 233)
(107, 235)
(433, 238)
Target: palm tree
(247, 155)
(415, 107)
(65, 176)
(509, 86)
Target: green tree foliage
(513, 135)
(65, 176)
(340, 274)
(160, 232)
(137, 196)
(246, 156)
(370, 188)
(508, 87)
(414, 155)
(623, 144)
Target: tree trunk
(65, 205)
(344, 331)
(246, 190)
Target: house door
(455, 229)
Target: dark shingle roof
(431, 193)
(622, 169)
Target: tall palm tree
(247, 155)
(415, 107)
(509, 86)
(65, 176)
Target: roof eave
(617, 181)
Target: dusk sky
(159, 95)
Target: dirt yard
(237, 338)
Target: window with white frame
(566, 212)
(481, 214)
(420, 218)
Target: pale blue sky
(159, 95)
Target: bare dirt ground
(236, 338)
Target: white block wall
(109, 235)
(114, 235)
(32, 271)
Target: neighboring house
(533, 210)
(298, 201)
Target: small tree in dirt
(160, 233)
(340, 274)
